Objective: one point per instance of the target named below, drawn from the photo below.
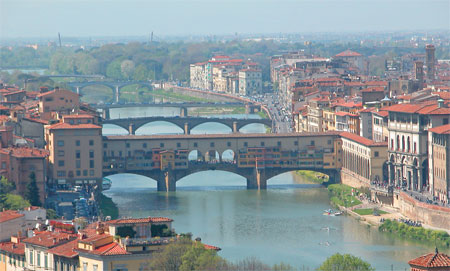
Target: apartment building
(57, 101)
(75, 150)
(250, 82)
(439, 155)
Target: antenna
(59, 37)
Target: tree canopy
(345, 262)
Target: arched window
(403, 143)
(409, 145)
(398, 142)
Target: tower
(418, 71)
(430, 50)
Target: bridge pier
(235, 127)
(78, 90)
(183, 112)
(117, 94)
(187, 129)
(257, 180)
(131, 129)
(106, 113)
(167, 181)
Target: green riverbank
(107, 206)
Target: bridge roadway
(185, 123)
(256, 157)
(114, 85)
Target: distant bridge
(114, 85)
(185, 123)
(249, 108)
(256, 157)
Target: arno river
(284, 223)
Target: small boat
(337, 213)
(106, 184)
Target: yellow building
(12, 255)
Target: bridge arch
(163, 127)
(134, 180)
(97, 92)
(253, 126)
(114, 129)
(203, 178)
(228, 156)
(199, 128)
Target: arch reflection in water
(210, 128)
(158, 128)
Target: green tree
(347, 262)
(140, 73)
(6, 187)
(127, 68)
(169, 259)
(114, 70)
(32, 191)
(15, 202)
(51, 214)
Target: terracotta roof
(431, 260)
(50, 239)
(139, 220)
(80, 116)
(348, 53)
(209, 247)
(362, 140)
(382, 113)
(66, 250)
(343, 113)
(95, 237)
(444, 129)
(9, 215)
(36, 120)
(443, 95)
(25, 152)
(61, 125)
(18, 249)
(107, 250)
(373, 89)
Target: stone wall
(351, 179)
(433, 215)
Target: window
(91, 142)
(91, 172)
(279, 143)
(296, 143)
(78, 172)
(85, 172)
(105, 145)
(46, 261)
(95, 267)
(178, 145)
(195, 144)
(211, 144)
(85, 265)
(60, 163)
(78, 163)
(3, 165)
(262, 143)
(161, 145)
(144, 145)
(128, 145)
(38, 259)
(245, 144)
(77, 154)
(229, 144)
(60, 153)
(377, 154)
(91, 154)
(60, 173)
(120, 153)
(313, 143)
(91, 163)
(60, 143)
(31, 257)
(77, 143)
(445, 121)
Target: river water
(283, 223)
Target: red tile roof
(50, 239)
(382, 113)
(362, 140)
(95, 238)
(139, 220)
(444, 129)
(107, 250)
(66, 250)
(18, 249)
(431, 260)
(347, 53)
(209, 247)
(61, 125)
(25, 152)
(9, 215)
(80, 116)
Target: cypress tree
(32, 191)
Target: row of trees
(164, 60)
(11, 201)
(186, 255)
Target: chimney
(56, 88)
(43, 89)
(441, 103)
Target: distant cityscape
(365, 115)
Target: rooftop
(347, 53)
(443, 130)
(138, 220)
(431, 260)
(14, 248)
(9, 215)
(50, 239)
(25, 152)
(64, 126)
(65, 250)
(362, 140)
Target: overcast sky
(45, 18)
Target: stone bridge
(114, 85)
(185, 123)
(256, 157)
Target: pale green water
(283, 223)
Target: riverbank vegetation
(342, 195)
(432, 237)
(369, 211)
(9, 200)
(312, 176)
(107, 206)
(345, 262)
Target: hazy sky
(45, 18)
